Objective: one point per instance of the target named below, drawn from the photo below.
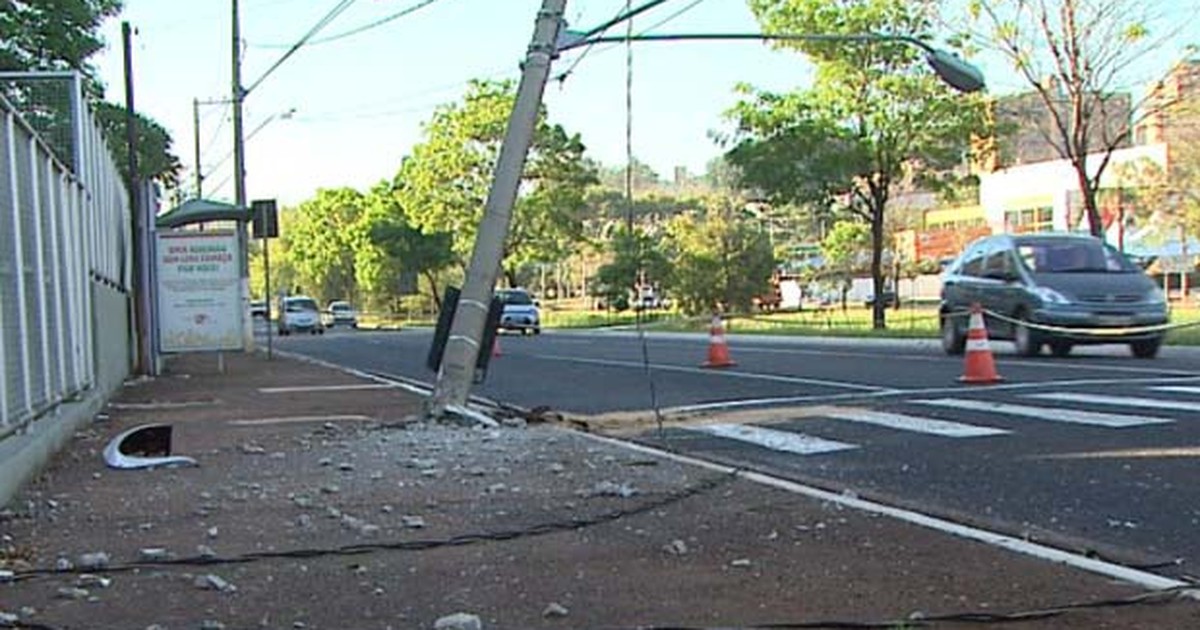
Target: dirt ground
(317, 505)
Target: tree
(636, 257)
(156, 162)
(53, 34)
(874, 115)
(1076, 55)
(407, 249)
(58, 35)
(323, 242)
(845, 249)
(720, 263)
(643, 178)
(443, 185)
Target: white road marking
(1120, 401)
(1183, 389)
(1048, 414)
(918, 424)
(294, 419)
(323, 388)
(1144, 579)
(726, 373)
(786, 441)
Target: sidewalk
(314, 507)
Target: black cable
(360, 29)
(411, 545)
(322, 23)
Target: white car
(300, 313)
(520, 311)
(340, 313)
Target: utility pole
(144, 357)
(462, 346)
(196, 137)
(239, 178)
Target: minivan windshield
(1074, 255)
(299, 305)
(516, 297)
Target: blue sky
(360, 101)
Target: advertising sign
(199, 291)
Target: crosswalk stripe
(1049, 414)
(1120, 401)
(787, 441)
(1182, 389)
(918, 424)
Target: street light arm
(949, 67)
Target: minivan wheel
(1061, 348)
(953, 341)
(1146, 349)
(1025, 338)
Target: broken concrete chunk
(97, 560)
(554, 610)
(676, 547)
(459, 621)
(610, 489)
(91, 580)
(212, 582)
(153, 554)
(412, 522)
(70, 592)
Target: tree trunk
(878, 305)
(433, 290)
(1088, 192)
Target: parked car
(258, 308)
(1069, 282)
(520, 311)
(299, 313)
(340, 313)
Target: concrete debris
(63, 564)
(153, 554)
(211, 624)
(330, 489)
(145, 446)
(304, 521)
(412, 522)
(91, 580)
(611, 489)
(676, 547)
(302, 501)
(459, 621)
(497, 488)
(325, 461)
(253, 449)
(8, 619)
(740, 562)
(345, 466)
(6, 576)
(387, 509)
(213, 532)
(97, 560)
(212, 582)
(206, 552)
(71, 592)
(554, 610)
(557, 468)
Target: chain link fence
(65, 249)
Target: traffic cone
(718, 351)
(496, 345)
(980, 366)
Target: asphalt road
(1096, 452)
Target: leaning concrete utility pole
(466, 329)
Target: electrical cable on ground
(411, 545)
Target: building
(1028, 132)
(1173, 108)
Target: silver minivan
(1052, 289)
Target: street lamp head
(955, 71)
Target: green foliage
(323, 241)
(156, 162)
(400, 249)
(443, 185)
(636, 256)
(643, 177)
(874, 116)
(721, 263)
(53, 34)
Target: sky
(360, 101)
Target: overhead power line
(322, 23)
(365, 27)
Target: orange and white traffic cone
(718, 351)
(980, 366)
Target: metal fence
(65, 239)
